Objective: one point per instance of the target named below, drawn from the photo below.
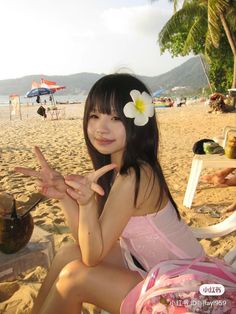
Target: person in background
(221, 178)
(38, 100)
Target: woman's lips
(104, 141)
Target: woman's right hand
(50, 182)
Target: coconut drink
(15, 229)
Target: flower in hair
(141, 108)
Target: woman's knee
(72, 278)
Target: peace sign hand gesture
(83, 188)
(50, 182)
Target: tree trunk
(234, 75)
(205, 72)
(232, 41)
(234, 82)
(230, 35)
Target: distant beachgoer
(38, 100)
(122, 215)
(220, 177)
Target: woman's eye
(93, 116)
(115, 118)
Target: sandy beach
(63, 145)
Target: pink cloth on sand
(153, 238)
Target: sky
(63, 37)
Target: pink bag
(173, 287)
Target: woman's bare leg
(104, 285)
(65, 255)
(231, 181)
(219, 177)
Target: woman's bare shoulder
(146, 175)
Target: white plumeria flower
(141, 108)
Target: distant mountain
(75, 83)
(188, 75)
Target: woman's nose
(102, 126)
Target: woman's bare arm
(97, 235)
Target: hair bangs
(107, 103)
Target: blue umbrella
(158, 92)
(38, 92)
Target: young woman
(122, 215)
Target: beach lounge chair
(200, 162)
(219, 230)
(222, 139)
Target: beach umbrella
(51, 85)
(53, 88)
(158, 92)
(13, 95)
(39, 91)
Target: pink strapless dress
(156, 237)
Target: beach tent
(14, 106)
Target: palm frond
(215, 9)
(187, 15)
(231, 17)
(208, 43)
(198, 27)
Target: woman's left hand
(83, 188)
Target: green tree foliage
(221, 65)
(209, 27)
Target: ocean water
(4, 99)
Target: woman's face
(107, 134)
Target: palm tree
(223, 11)
(204, 18)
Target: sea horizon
(4, 99)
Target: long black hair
(111, 93)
